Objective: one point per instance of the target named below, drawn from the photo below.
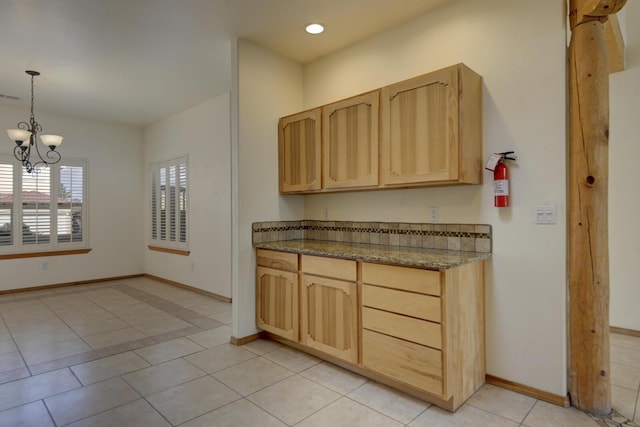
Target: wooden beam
(588, 179)
(589, 376)
(581, 11)
(615, 44)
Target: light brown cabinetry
(420, 132)
(277, 293)
(350, 142)
(331, 147)
(299, 152)
(431, 129)
(425, 328)
(329, 306)
(419, 330)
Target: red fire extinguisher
(501, 181)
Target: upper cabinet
(432, 129)
(350, 142)
(420, 132)
(299, 152)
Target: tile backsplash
(456, 237)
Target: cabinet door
(350, 142)
(277, 302)
(299, 152)
(419, 122)
(329, 318)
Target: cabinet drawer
(402, 360)
(407, 328)
(425, 307)
(278, 260)
(343, 269)
(404, 278)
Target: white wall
(268, 86)
(624, 177)
(519, 49)
(114, 154)
(203, 133)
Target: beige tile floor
(141, 353)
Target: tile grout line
(501, 416)
(46, 407)
(529, 411)
(346, 396)
(74, 331)
(418, 415)
(17, 348)
(42, 398)
(157, 410)
(220, 407)
(340, 396)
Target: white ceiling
(137, 61)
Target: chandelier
(25, 139)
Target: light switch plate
(545, 214)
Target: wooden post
(588, 267)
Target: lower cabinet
(329, 306)
(425, 328)
(419, 330)
(329, 315)
(277, 294)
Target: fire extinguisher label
(501, 187)
(493, 162)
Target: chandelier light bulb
(51, 141)
(19, 135)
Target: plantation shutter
(6, 205)
(172, 203)
(44, 210)
(169, 197)
(183, 202)
(154, 206)
(71, 204)
(36, 207)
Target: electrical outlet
(326, 213)
(434, 215)
(44, 265)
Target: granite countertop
(433, 259)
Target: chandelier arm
(53, 155)
(21, 155)
(24, 126)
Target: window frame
(167, 245)
(18, 249)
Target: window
(169, 204)
(42, 211)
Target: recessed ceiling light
(314, 28)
